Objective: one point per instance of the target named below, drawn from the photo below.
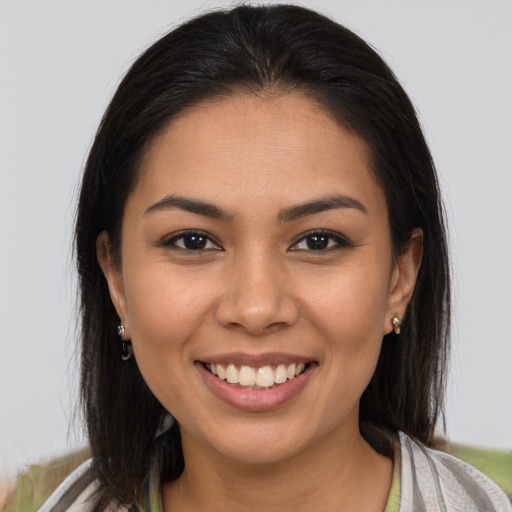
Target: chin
(270, 450)
(251, 443)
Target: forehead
(284, 147)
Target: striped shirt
(424, 480)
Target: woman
(262, 255)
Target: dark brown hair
(257, 50)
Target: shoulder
(57, 479)
(435, 481)
(74, 493)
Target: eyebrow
(189, 205)
(320, 205)
(212, 211)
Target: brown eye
(317, 242)
(321, 241)
(192, 241)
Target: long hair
(257, 50)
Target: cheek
(165, 310)
(348, 309)
(168, 313)
(350, 300)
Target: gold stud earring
(397, 324)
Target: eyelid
(169, 241)
(341, 240)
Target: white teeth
(247, 376)
(281, 374)
(264, 377)
(232, 374)
(221, 373)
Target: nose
(256, 297)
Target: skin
(257, 288)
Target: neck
(337, 472)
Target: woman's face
(256, 246)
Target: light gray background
(59, 65)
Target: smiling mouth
(264, 377)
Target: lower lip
(256, 399)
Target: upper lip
(256, 360)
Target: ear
(114, 278)
(403, 279)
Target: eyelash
(172, 242)
(339, 241)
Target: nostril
(276, 326)
(257, 330)
(256, 320)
